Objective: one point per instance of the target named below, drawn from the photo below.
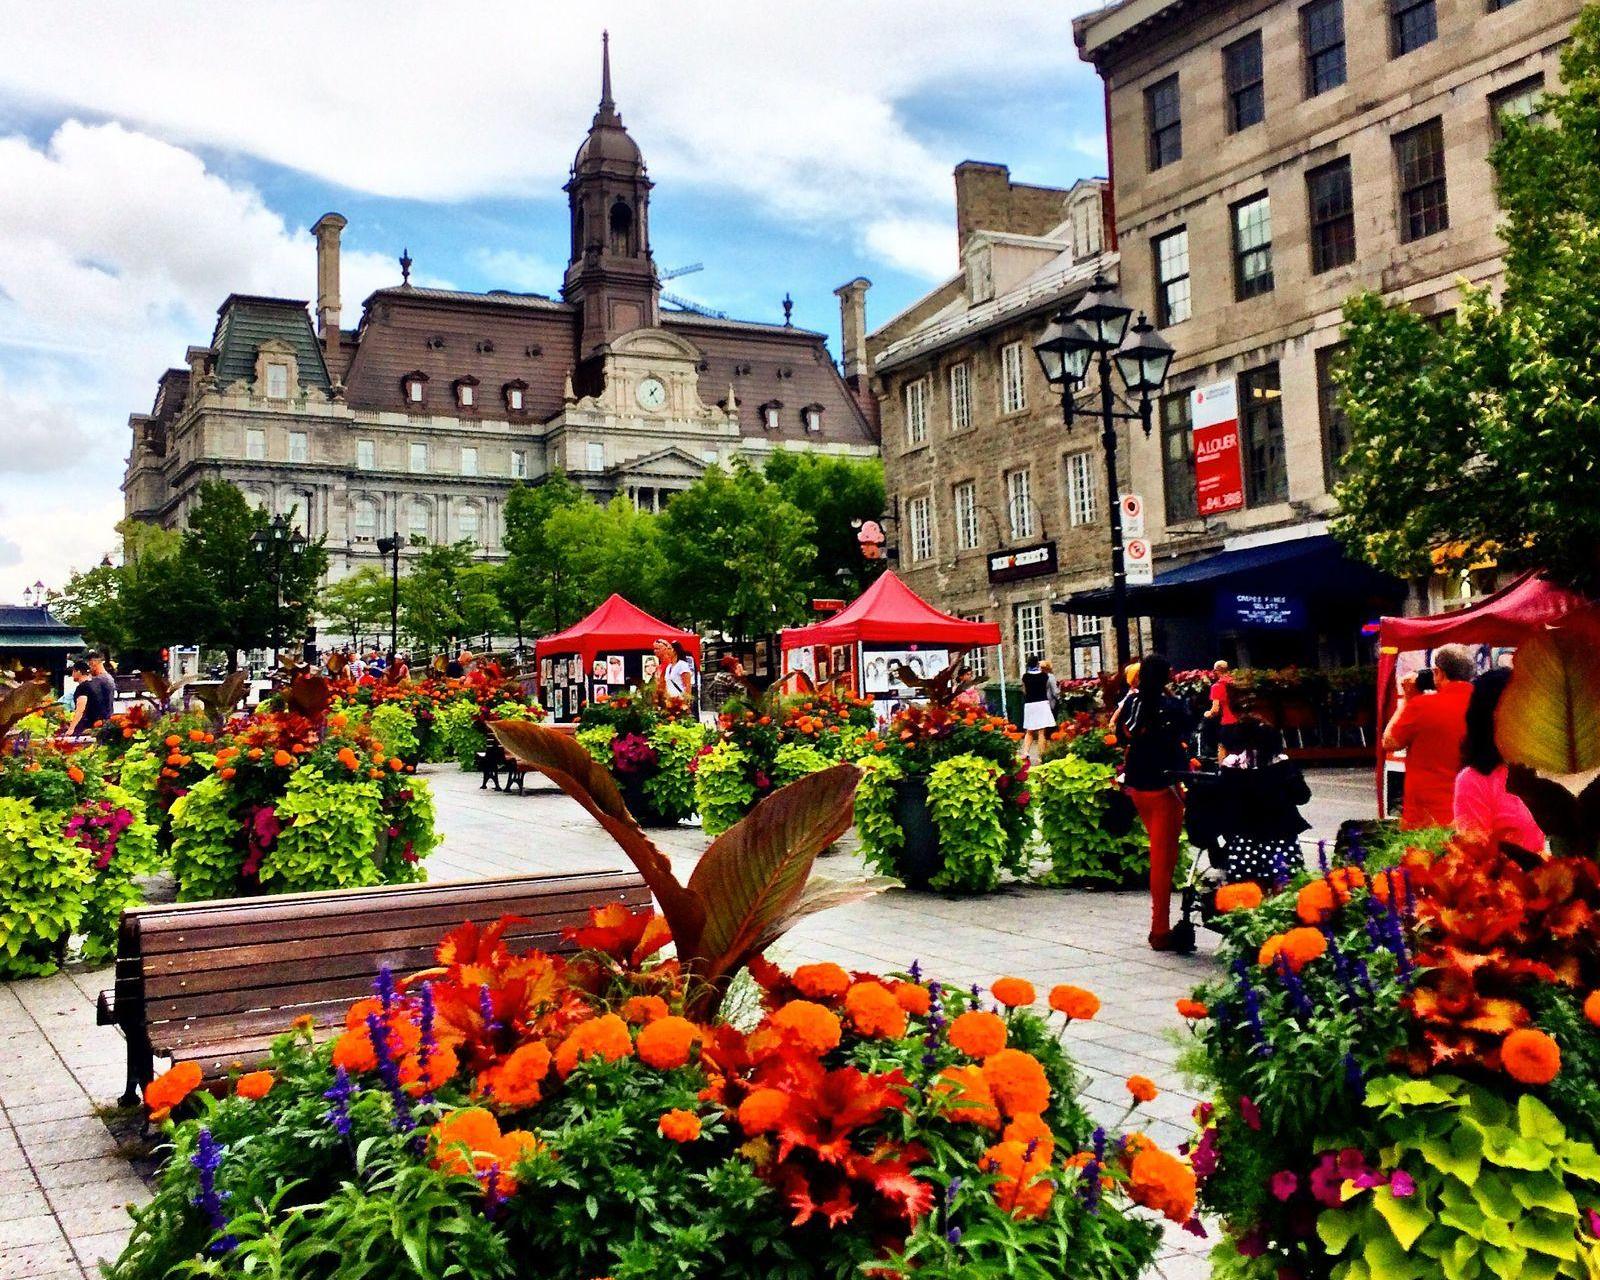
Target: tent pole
(1004, 713)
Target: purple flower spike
(207, 1159)
(341, 1093)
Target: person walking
(1429, 728)
(1481, 801)
(1221, 717)
(94, 698)
(1151, 724)
(677, 670)
(1037, 717)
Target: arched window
(467, 522)
(364, 527)
(297, 507)
(421, 520)
(622, 228)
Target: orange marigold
(1017, 1081)
(469, 1142)
(255, 1084)
(1192, 1009)
(1244, 896)
(1298, 946)
(603, 1037)
(680, 1125)
(1314, 903)
(170, 1088)
(978, 1034)
(1031, 1128)
(1162, 1182)
(1075, 1002)
(173, 740)
(1142, 1088)
(824, 981)
(641, 1009)
(1591, 1007)
(75, 773)
(282, 759)
(665, 1043)
(1345, 879)
(874, 1011)
(813, 1026)
(1013, 992)
(913, 998)
(1020, 1189)
(518, 1080)
(969, 1097)
(419, 1076)
(763, 1111)
(1529, 1056)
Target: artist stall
(610, 650)
(1492, 628)
(863, 647)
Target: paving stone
(39, 1262)
(38, 1228)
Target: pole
(394, 599)
(1119, 581)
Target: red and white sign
(828, 606)
(1138, 565)
(1218, 459)
(1132, 515)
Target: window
(977, 659)
(469, 461)
(1013, 392)
(365, 525)
(466, 394)
(917, 412)
(1080, 489)
(255, 444)
(277, 382)
(467, 522)
(1088, 660)
(595, 456)
(1333, 216)
(519, 465)
(514, 399)
(1172, 277)
(965, 497)
(1163, 122)
(919, 527)
(299, 447)
(1241, 71)
(1030, 633)
(1495, 6)
(1266, 473)
(414, 388)
(1252, 247)
(419, 457)
(1322, 35)
(769, 415)
(1518, 102)
(960, 396)
(1412, 24)
(421, 521)
(1177, 458)
(811, 415)
(366, 455)
(1019, 503)
(1419, 158)
(1335, 426)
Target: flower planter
(918, 859)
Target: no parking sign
(1138, 566)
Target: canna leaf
(1549, 716)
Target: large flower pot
(918, 859)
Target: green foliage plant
(671, 790)
(396, 727)
(44, 880)
(968, 811)
(596, 739)
(330, 837)
(723, 791)
(1070, 797)
(877, 827)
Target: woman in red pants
(1152, 724)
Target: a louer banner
(1218, 460)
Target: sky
(155, 158)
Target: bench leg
(141, 1066)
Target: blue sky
(146, 170)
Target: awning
(1300, 566)
(615, 624)
(889, 612)
(40, 640)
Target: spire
(608, 108)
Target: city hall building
(419, 420)
(1269, 158)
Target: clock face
(651, 393)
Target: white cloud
(115, 250)
(922, 246)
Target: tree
(833, 491)
(738, 554)
(519, 597)
(104, 604)
(547, 590)
(92, 604)
(481, 614)
(446, 597)
(359, 604)
(601, 550)
(1477, 438)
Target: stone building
(1269, 158)
(420, 419)
(1000, 510)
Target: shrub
(672, 789)
(793, 760)
(877, 827)
(122, 844)
(456, 724)
(596, 740)
(723, 791)
(44, 880)
(968, 810)
(1070, 796)
(396, 727)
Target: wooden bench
(217, 982)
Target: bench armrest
(105, 1010)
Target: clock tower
(611, 275)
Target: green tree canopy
(358, 605)
(433, 599)
(1479, 436)
(833, 491)
(544, 586)
(605, 549)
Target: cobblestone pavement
(64, 1188)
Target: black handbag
(1119, 815)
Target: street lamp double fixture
(276, 544)
(1096, 334)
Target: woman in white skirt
(1038, 719)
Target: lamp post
(276, 544)
(391, 548)
(1097, 332)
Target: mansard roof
(245, 321)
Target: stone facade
(966, 415)
(420, 419)
(1339, 113)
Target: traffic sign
(1132, 515)
(1138, 566)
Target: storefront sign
(1255, 609)
(827, 606)
(1218, 460)
(1026, 562)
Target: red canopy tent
(889, 612)
(1504, 619)
(616, 629)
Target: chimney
(853, 325)
(327, 230)
(981, 199)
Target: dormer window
(277, 381)
(466, 392)
(811, 415)
(516, 394)
(769, 414)
(415, 386)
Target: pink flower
(1250, 1113)
(1402, 1185)
(1284, 1184)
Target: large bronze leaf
(221, 700)
(308, 695)
(1549, 717)
(17, 701)
(559, 757)
(822, 894)
(753, 875)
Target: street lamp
(276, 543)
(391, 548)
(1096, 332)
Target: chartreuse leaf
(1387, 1090)
(1580, 1160)
(1546, 1234)
(1545, 1191)
(1504, 1148)
(1459, 1155)
(1538, 1123)
(1406, 1217)
(1492, 1191)
(1386, 1258)
(1462, 1261)
(1335, 1227)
